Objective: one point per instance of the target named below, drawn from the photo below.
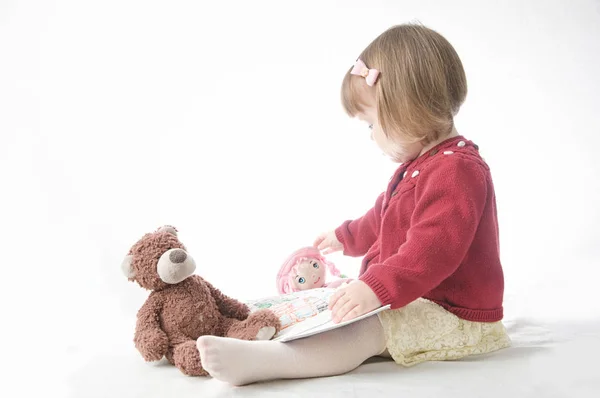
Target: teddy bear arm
(150, 340)
(228, 306)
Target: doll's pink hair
(288, 269)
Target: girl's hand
(352, 301)
(328, 243)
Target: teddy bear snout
(177, 256)
(175, 265)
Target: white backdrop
(223, 119)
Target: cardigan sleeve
(450, 197)
(357, 236)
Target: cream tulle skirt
(424, 331)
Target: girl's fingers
(336, 296)
(328, 248)
(341, 303)
(343, 311)
(323, 244)
(337, 300)
(353, 313)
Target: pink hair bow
(360, 69)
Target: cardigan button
(415, 173)
(448, 152)
(404, 175)
(461, 144)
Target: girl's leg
(335, 352)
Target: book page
(320, 324)
(296, 309)
(304, 313)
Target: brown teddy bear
(182, 307)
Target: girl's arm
(357, 236)
(450, 197)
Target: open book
(305, 313)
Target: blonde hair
(421, 85)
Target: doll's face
(310, 274)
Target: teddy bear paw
(266, 333)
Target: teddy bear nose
(177, 256)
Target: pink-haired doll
(305, 269)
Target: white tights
(332, 353)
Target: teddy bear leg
(186, 358)
(260, 325)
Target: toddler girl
(430, 242)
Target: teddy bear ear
(168, 228)
(127, 268)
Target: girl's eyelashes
(371, 126)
